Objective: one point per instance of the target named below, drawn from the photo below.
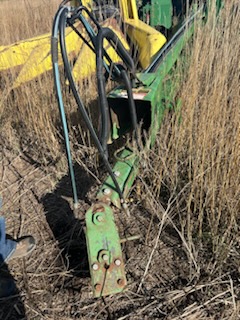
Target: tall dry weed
(27, 113)
(29, 116)
(25, 19)
(194, 167)
(190, 181)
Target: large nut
(95, 266)
(97, 287)
(107, 191)
(117, 262)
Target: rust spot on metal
(121, 282)
(105, 199)
(98, 208)
(97, 287)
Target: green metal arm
(152, 95)
(102, 236)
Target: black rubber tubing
(106, 33)
(62, 26)
(131, 104)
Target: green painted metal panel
(158, 89)
(157, 12)
(125, 171)
(104, 251)
(161, 13)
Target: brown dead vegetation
(185, 203)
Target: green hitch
(104, 251)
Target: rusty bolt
(100, 218)
(117, 173)
(120, 282)
(98, 208)
(97, 287)
(105, 257)
(117, 262)
(107, 191)
(95, 266)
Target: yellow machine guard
(34, 55)
(147, 39)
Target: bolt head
(107, 191)
(117, 262)
(97, 287)
(95, 266)
(105, 257)
(117, 173)
(100, 218)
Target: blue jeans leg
(7, 246)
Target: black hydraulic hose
(131, 103)
(62, 26)
(116, 71)
(115, 68)
(54, 52)
(81, 36)
(127, 59)
(106, 33)
(103, 103)
(89, 30)
(78, 13)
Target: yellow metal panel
(128, 9)
(18, 53)
(87, 3)
(39, 61)
(148, 40)
(35, 55)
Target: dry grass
(199, 148)
(35, 126)
(32, 111)
(186, 200)
(193, 171)
(25, 19)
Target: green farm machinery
(135, 106)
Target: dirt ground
(54, 282)
(164, 280)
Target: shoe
(24, 247)
(7, 287)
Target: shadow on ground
(68, 225)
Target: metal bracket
(125, 171)
(104, 251)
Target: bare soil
(54, 283)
